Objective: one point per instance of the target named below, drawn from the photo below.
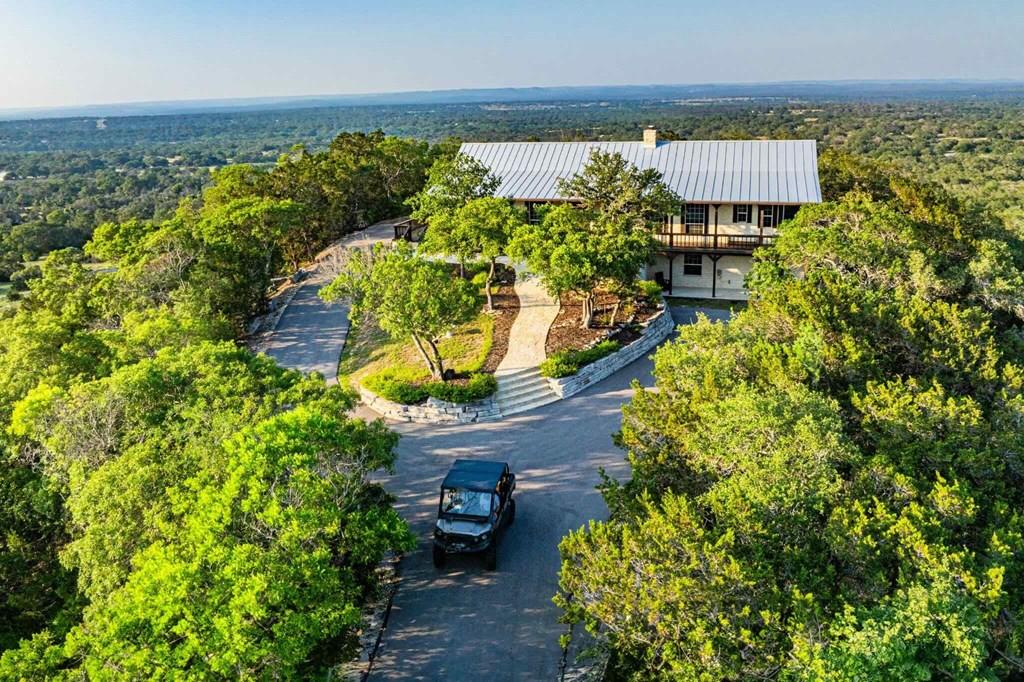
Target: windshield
(465, 502)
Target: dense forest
(174, 504)
(830, 486)
(827, 488)
(63, 177)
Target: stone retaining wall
(654, 332)
(433, 411)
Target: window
(466, 502)
(532, 211)
(773, 216)
(693, 264)
(695, 217)
(741, 213)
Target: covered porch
(717, 294)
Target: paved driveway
(311, 333)
(462, 623)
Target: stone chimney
(650, 138)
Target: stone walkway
(520, 385)
(529, 333)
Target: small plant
(480, 280)
(650, 292)
(407, 392)
(478, 387)
(568, 362)
(395, 390)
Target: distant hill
(872, 91)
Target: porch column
(671, 260)
(715, 243)
(714, 274)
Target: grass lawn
(368, 350)
(715, 304)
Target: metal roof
(742, 171)
(474, 474)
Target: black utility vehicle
(476, 505)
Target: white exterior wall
(729, 272)
(726, 225)
(728, 275)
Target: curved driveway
(462, 623)
(310, 334)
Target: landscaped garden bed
(569, 372)
(393, 370)
(570, 346)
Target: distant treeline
(63, 177)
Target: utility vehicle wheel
(438, 557)
(491, 558)
(511, 511)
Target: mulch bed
(506, 307)
(567, 334)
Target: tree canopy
(482, 228)
(176, 505)
(828, 487)
(407, 296)
(606, 239)
(452, 182)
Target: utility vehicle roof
(474, 474)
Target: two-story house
(734, 195)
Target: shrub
(649, 291)
(478, 387)
(395, 390)
(480, 280)
(567, 362)
(406, 392)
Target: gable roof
(742, 171)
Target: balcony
(713, 243)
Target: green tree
(611, 187)
(828, 487)
(263, 556)
(604, 238)
(481, 228)
(452, 182)
(576, 251)
(407, 296)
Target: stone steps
(521, 390)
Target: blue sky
(62, 52)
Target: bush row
(567, 362)
(478, 387)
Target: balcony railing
(729, 243)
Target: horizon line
(9, 112)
